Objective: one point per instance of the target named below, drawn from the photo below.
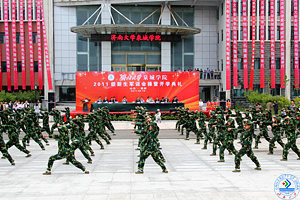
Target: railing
(68, 76)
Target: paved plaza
(193, 174)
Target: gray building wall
(206, 54)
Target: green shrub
(255, 97)
(30, 96)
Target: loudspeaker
(223, 104)
(51, 106)
(51, 96)
(222, 96)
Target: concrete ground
(193, 174)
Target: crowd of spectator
(20, 105)
(138, 100)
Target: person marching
(246, 142)
(64, 151)
(277, 131)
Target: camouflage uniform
(246, 142)
(277, 131)
(4, 150)
(290, 132)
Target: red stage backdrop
(184, 85)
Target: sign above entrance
(136, 37)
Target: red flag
(39, 44)
(46, 51)
(7, 45)
(30, 41)
(228, 48)
(262, 43)
(22, 47)
(253, 43)
(245, 43)
(296, 43)
(272, 21)
(235, 47)
(282, 42)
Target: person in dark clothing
(275, 106)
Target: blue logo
(287, 186)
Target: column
(48, 14)
(288, 19)
(166, 46)
(106, 45)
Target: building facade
(80, 36)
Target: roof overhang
(88, 30)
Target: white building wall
(206, 53)
(166, 46)
(106, 45)
(64, 41)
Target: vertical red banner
(39, 44)
(22, 43)
(0, 71)
(245, 43)
(14, 43)
(272, 23)
(235, 47)
(253, 43)
(228, 46)
(30, 41)
(296, 43)
(7, 51)
(282, 43)
(46, 50)
(262, 43)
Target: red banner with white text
(22, 44)
(14, 43)
(282, 43)
(184, 85)
(245, 43)
(30, 41)
(262, 43)
(272, 23)
(46, 50)
(235, 47)
(296, 43)
(7, 46)
(39, 43)
(228, 46)
(253, 44)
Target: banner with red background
(235, 46)
(282, 42)
(253, 44)
(184, 85)
(228, 46)
(262, 44)
(245, 43)
(296, 43)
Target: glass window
(84, 12)
(278, 7)
(81, 43)
(222, 9)
(82, 62)
(276, 91)
(18, 37)
(222, 35)
(136, 58)
(34, 37)
(292, 33)
(189, 61)
(257, 63)
(2, 38)
(189, 45)
(278, 32)
(238, 93)
(19, 66)
(3, 66)
(241, 33)
(153, 59)
(256, 87)
(240, 63)
(118, 58)
(67, 94)
(36, 66)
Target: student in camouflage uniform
(4, 150)
(277, 131)
(45, 117)
(13, 136)
(67, 114)
(290, 132)
(264, 120)
(239, 120)
(64, 151)
(57, 120)
(246, 142)
(227, 142)
(202, 128)
(150, 147)
(92, 135)
(211, 135)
